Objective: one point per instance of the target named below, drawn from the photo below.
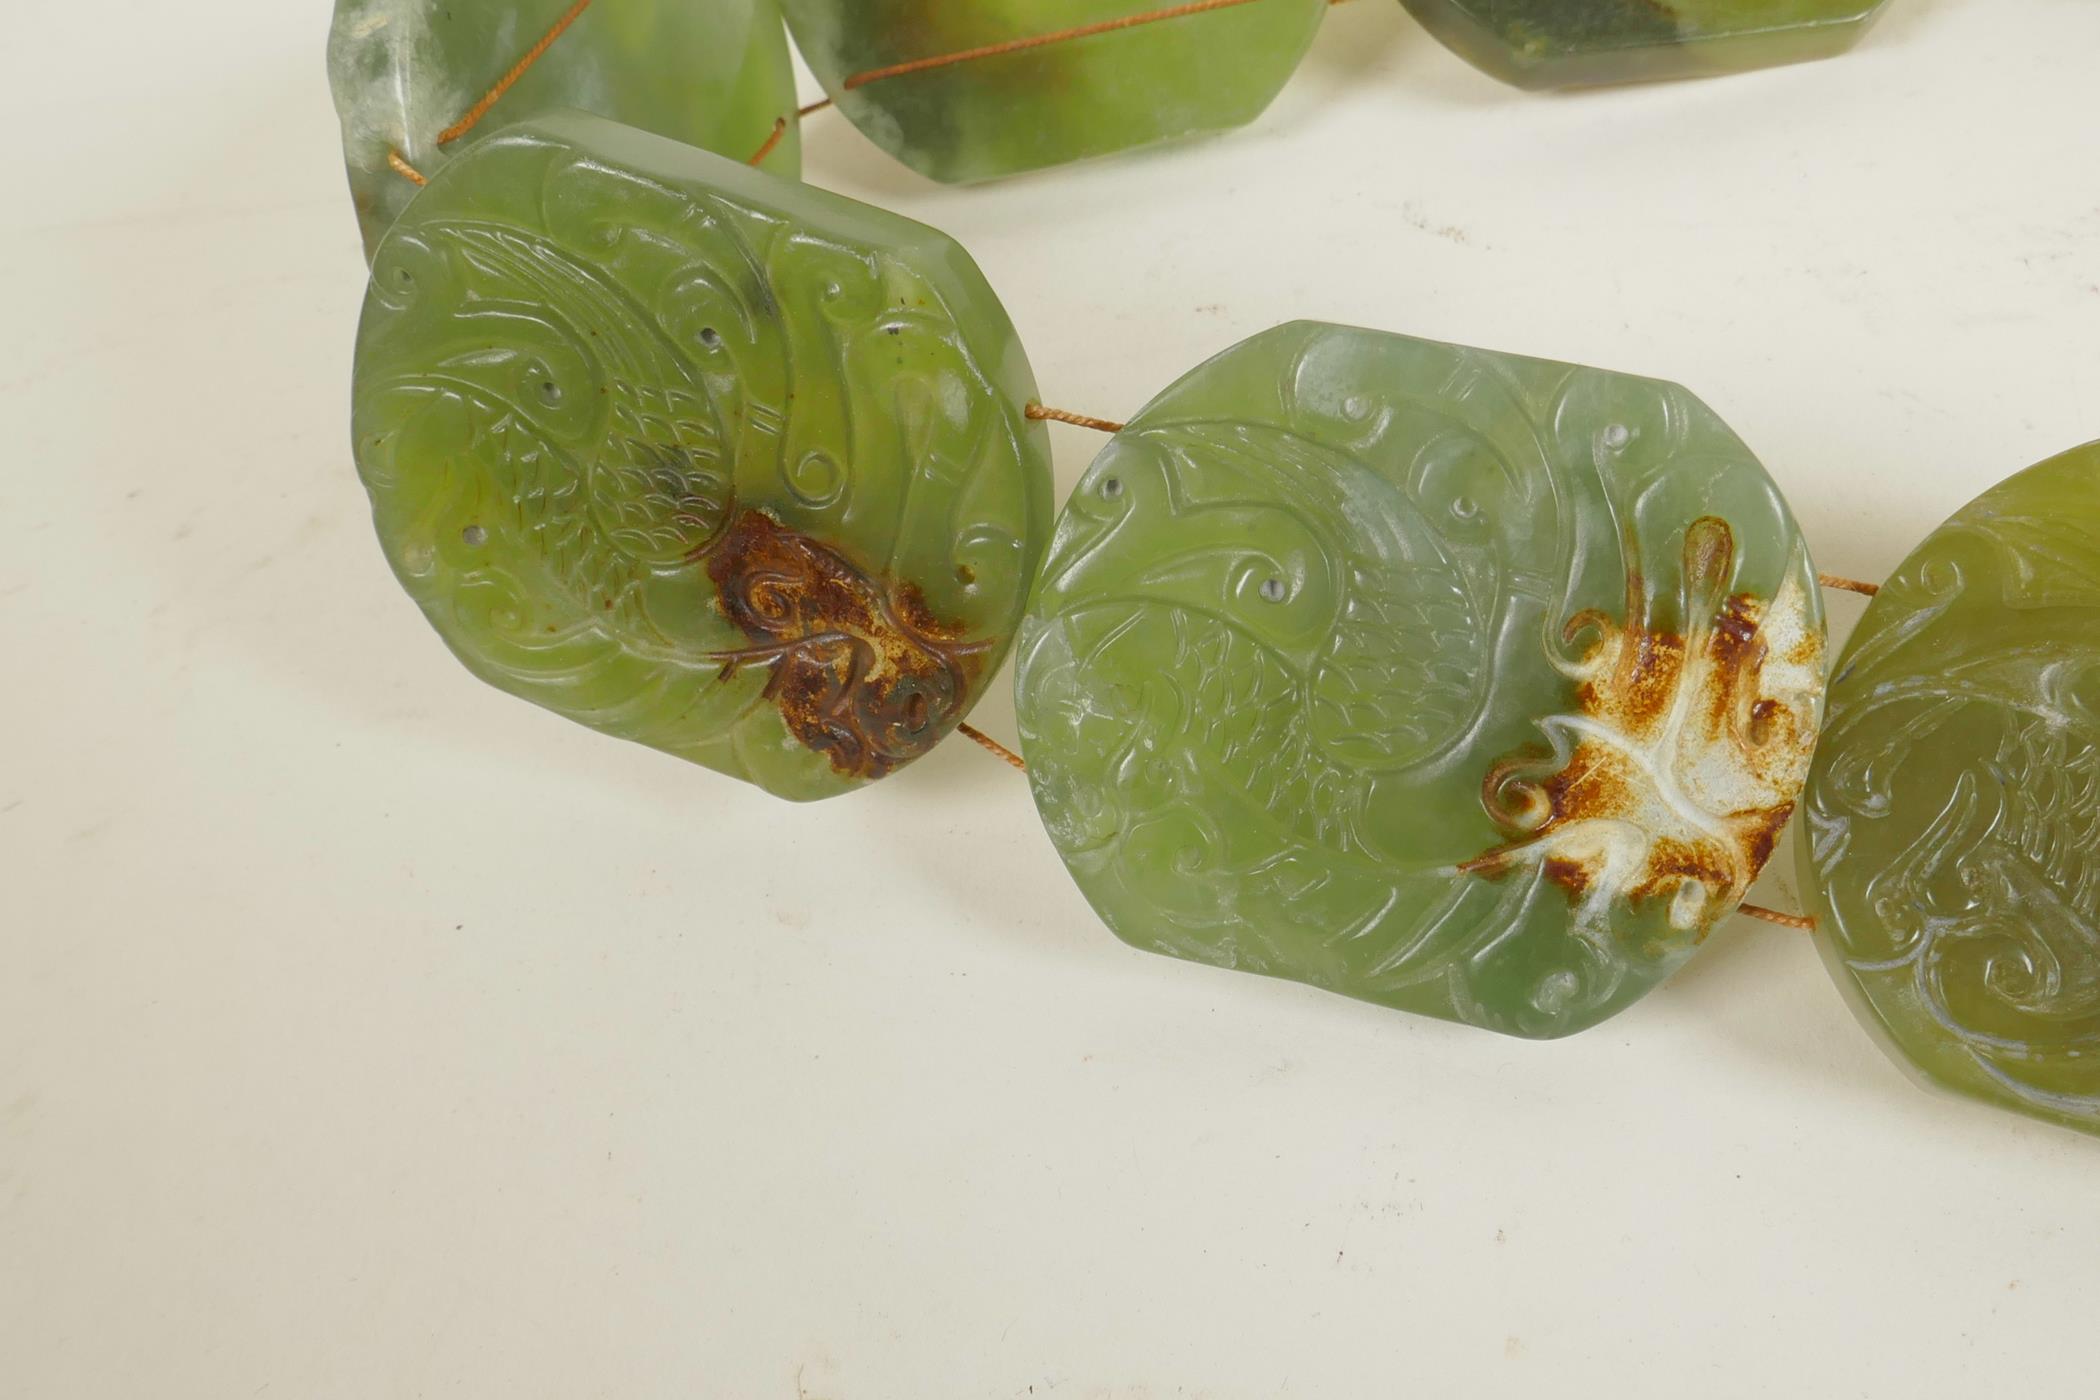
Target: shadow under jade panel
(724, 465)
(1469, 684)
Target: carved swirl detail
(1341, 639)
(1954, 815)
(589, 380)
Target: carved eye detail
(1267, 580)
(1463, 486)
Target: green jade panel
(1576, 43)
(1064, 101)
(1952, 832)
(719, 463)
(712, 73)
(1472, 685)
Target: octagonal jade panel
(1473, 685)
(700, 458)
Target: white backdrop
(364, 1032)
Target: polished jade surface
(713, 73)
(1473, 685)
(726, 465)
(1573, 43)
(1952, 834)
(1064, 101)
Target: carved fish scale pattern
(1306, 735)
(638, 494)
(1354, 693)
(1953, 824)
(1248, 714)
(1313, 598)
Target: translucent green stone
(700, 458)
(1952, 840)
(713, 73)
(1571, 43)
(1058, 102)
(1473, 685)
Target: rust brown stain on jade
(1684, 754)
(861, 669)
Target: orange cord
(992, 746)
(1037, 41)
(1039, 414)
(503, 84)
(1773, 916)
(489, 99)
(780, 128)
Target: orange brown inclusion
(1687, 765)
(862, 671)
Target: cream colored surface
(365, 1033)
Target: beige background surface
(366, 1033)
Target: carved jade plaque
(1953, 820)
(1468, 684)
(697, 457)
(894, 67)
(712, 73)
(1570, 43)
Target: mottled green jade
(1063, 101)
(697, 457)
(1573, 43)
(713, 73)
(1952, 840)
(1473, 685)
